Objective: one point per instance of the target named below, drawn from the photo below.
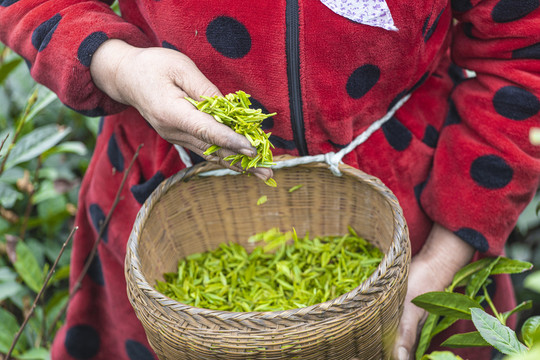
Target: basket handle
(333, 159)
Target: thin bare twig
(41, 291)
(3, 142)
(77, 285)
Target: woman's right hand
(155, 82)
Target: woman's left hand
(432, 269)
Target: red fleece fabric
(456, 153)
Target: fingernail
(248, 152)
(403, 354)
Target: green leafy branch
(446, 307)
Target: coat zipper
(292, 39)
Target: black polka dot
(452, 117)
(418, 192)
(397, 98)
(461, 5)
(511, 10)
(456, 74)
(95, 112)
(267, 123)
(433, 27)
(515, 103)
(82, 342)
(95, 271)
(362, 80)
(426, 23)
(195, 158)
(339, 146)
(491, 172)
(168, 45)
(6, 3)
(229, 37)
(100, 125)
(282, 143)
(137, 351)
(467, 29)
(89, 46)
(44, 32)
(98, 218)
(473, 238)
(529, 52)
(397, 135)
(419, 82)
(142, 191)
(115, 156)
(431, 136)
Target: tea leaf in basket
(262, 200)
(284, 272)
(296, 187)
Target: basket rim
(133, 265)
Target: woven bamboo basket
(189, 213)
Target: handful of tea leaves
(233, 110)
(286, 272)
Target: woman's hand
(432, 269)
(155, 82)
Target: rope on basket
(333, 159)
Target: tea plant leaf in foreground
(523, 306)
(531, 331)
(478, 280)
(446, 304)
(470, 339)
(425, 335)
(501, 337)
(8, 328)
(441, 355)
(532, 281)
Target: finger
(200, 147)
(191, 80)
(205, 128)
(408, 331)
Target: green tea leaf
(68, 147)
(8, 195)
(444, 324)
(8, 67)
(479, 279)
(35, 354)
(501, 337)
(8, 329)
(8, 289)
(441, 355)
(446, 304)
(532, 281)
(532, 354)
(28, 268)
(212, 149)
(530, 331)
(425, 335)
(470, 339)
(523, 306)
(262, 200)
(42, 103)
(296, 187)
(511, 266)
(467, 271)
(35, 143)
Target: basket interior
(198, 215)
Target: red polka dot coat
(457, 153)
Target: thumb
(193, 82)
(408, 331)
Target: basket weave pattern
(188, 214)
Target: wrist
(445, 253)
(106, 67)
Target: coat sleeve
(485, 169)
(57, 38)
